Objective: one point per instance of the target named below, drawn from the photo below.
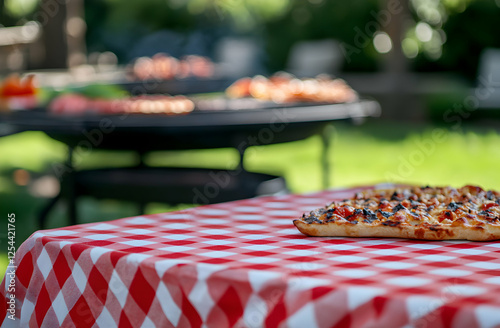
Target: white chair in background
(238, 57)
(310, 58)
(487, 91)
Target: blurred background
(432, 65)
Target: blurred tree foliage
(280, 23)
(321, 19)
(470, 27)
(441, 35)
(118, 25)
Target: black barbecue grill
(215, 123)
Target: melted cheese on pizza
(436, 206)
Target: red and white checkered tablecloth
(243, 264)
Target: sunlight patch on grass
(455, 159)
(155, 208)
(30, 150)
(223, 158)
(4, 262)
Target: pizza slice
(428, 213)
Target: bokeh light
(382, 42)
(21, 177)
(423, 32)
(410, 47)
(20, 8)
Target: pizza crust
(403, 230)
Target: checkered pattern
(243, 264)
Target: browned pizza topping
(440, 206)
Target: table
(243, 264)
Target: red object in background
(144, 104)
(18, 93)
(286, 88)
(69, 103)
(165, 67)
(14, 86)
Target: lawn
(369, 153)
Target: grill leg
(42, 218)
(72, 199)
(142, 208)
(70, 194)
(326, 137)
(241, 151)
(71, 186)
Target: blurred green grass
(366, 154)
